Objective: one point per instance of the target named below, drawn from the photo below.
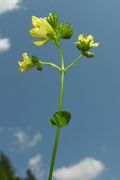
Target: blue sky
(89, 147)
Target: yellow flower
(42, 29)
(26, 63)
(86, 42)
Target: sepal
(88, 54)
(39, 66)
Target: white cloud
(35, 164)
(87, 169)
(4, 44)
(25, 140)
(9, 5)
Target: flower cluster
(50, 29)
(85, 43)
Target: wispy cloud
(9, 5)
(87, 169)
(25, 139)
(35, 164)
(4, 44)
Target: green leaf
(65, 31)
(60, 119)
(52, 19)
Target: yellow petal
(41, 23)
(22, 69)
(81, 37)
(38, 32)
(90, 38)
(36, 21)
(45, 25)
(41, 42)
(94, 45)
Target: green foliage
(6, 169)
(7, 172)
(30, 176)
(60, 119)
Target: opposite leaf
(60, 119)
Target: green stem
(61, 91)
(61, 57)
(54, 153)
(74, 62)
(59, 109)
(50, 64)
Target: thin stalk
(50, 64)
(74, 62)
(61, 91)
(59, 109)
(54, 153)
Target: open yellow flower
(86, 42)
(42, 29)
(26, 63)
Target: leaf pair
(60, 119)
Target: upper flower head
(86, 42)
(49, 28)
(28, 63)
(42, 29)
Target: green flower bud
(65, 31)
(52, 19)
